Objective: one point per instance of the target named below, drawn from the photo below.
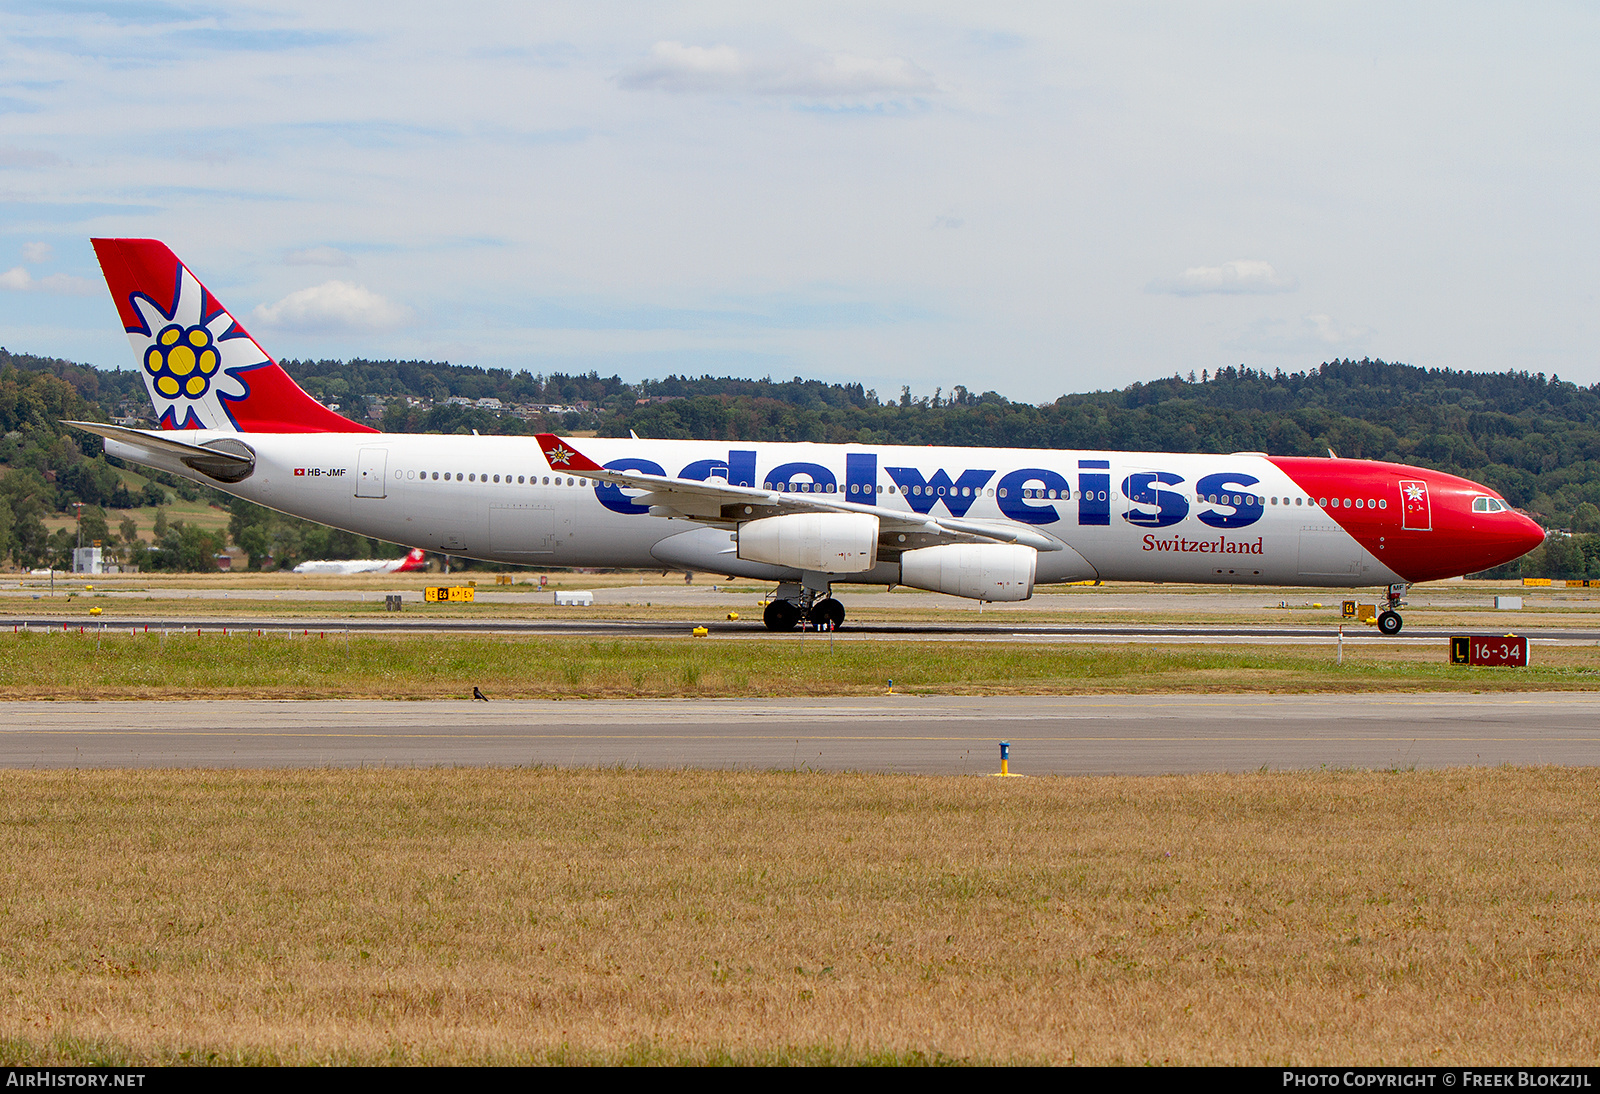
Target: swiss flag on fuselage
(1416, 516)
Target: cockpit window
(1488, 505)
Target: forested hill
(1535, 438)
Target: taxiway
(1074, 735)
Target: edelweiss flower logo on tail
(182, 361)
(191, 360)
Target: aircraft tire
(1389, 623)
(828, 613)
(781, 615)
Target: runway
(1049, 735)
(1007, 630)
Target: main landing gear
(1389, 621)
(792, 605)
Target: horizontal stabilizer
(225, 459)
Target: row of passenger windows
(1324, 503)
(957, 491)
(1335, 503)
(457, 476)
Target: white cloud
(1316, 333)
(1239, 276)
(333, 306)
(37, 252)
(675, 67)
(1331, 332)
(18, 279)
(318, 256)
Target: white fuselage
(1119, 516)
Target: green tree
(29, 537)
(92, 526)
(186, 547)
(255, 541)
(58, 549)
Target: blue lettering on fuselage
(739, 469)
(861, 477)
(1140, 488)
(1028, 495)
(1094, 493)
(1241, 509)
(922, 494)
(612, 497)
(818, 479)
(1027, 510)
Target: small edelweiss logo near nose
(182, 360)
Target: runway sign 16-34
(1489, 649)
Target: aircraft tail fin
(200, 368)
(416, 559)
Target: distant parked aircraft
(414, 560)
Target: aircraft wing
(715, 502)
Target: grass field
(243, 665)
(505, 916)
(75, 605)
(648, 595)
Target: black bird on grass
(476, 694)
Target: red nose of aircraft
(1528, 536)
(1490, 539)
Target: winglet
(563, 457)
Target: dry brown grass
(539, 915)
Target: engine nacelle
(830, 543)
(980, 571)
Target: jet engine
(980, 571)
(830, 543)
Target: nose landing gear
(1389, 621)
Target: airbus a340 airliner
(983, 523)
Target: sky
(1030, 198)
